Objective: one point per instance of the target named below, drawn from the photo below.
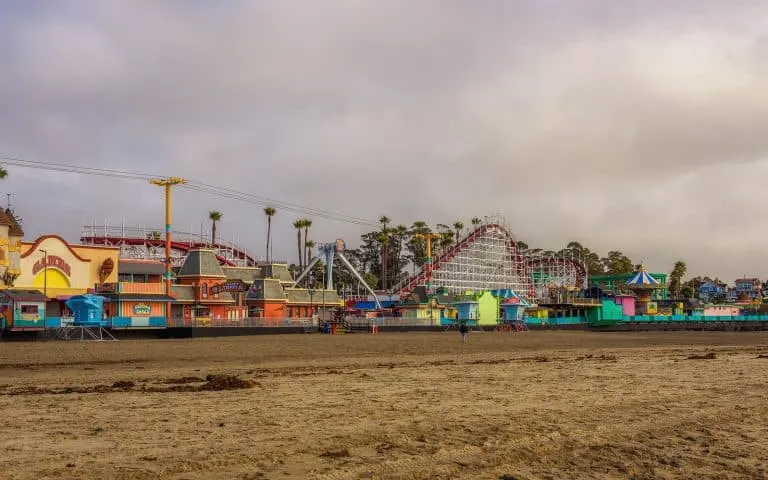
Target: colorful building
(138, 299)
(11, 235)
(511, 305)
(711, 290)
(746, 289)
(196, 299)
(22, 309)
(479, 308)
(62, 270)
(419, 305)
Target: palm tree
(446, 241)
(458, 225)
(310, 245)
(298, 225)
(269, 212)
(383, 239)
(307, 223)
(214, 216)
(475, 222)
(3, 173)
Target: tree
(458, 225)
(616, 263)
(476, 222)
(676, 277)
(383, 239)
(417, 247)
(215, 217)
(397, 260)
(269, 212)
(591, 260)
(310, 244)
(298, 225)
(446, 241)
(307, 223)
(3, 173)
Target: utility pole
(168, 183)
(428, 259)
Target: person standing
(464, 330)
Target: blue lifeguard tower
(88, 311)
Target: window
(29, 309)
(204, 290)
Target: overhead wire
(200, 187)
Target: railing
(247, 322)
(131, 287)
(388, 322)
(203, 238)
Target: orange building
(138, 299)
(196, 300)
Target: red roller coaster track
(523, 265)
(465, 243)
(182, 247)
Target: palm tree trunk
(306, 250)
(213, 233)
(298, 245)
(269, 234)
(384, 267)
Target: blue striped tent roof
(641, 278)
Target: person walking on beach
(464, 330)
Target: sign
(142, 310)
(230, 286)
(106, 288)
(54, 262)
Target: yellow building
(10, 246)
(53, 266)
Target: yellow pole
(167, 183)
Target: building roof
(183, 293)
(24, 295)
(201, 263)
(139, 267)
(509, 297)
(246, 274)
(301, 295)
(278, 271)
(266, 289)
(642, 279)
(419, 296)
(367, 305)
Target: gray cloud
(630, 125)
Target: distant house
(746, 288)
(711, 290)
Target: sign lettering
(231, 286)
(142, 310)
(54, 262)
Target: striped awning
(641, 278)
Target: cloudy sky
(632, 125)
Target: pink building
(627, 303)
(722, 311)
